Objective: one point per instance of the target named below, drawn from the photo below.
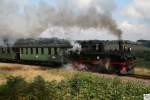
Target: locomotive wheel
(107, 63)
(129, 72)
(95, 68)
(123, 71)
(104, 65)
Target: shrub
(38, 89)
(13, 89)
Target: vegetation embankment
(79, 86)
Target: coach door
(17, 51)
(17, 56)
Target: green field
(141, 63)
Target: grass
(30, 72)
(141, 63)
(142, 67)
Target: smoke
(76, 46)
(21, 19)
(84, 15)
(74, 67)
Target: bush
(38, 89)
(81, 86)
(13, 89)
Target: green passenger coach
(48, 54)
(47, 51)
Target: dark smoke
(21, 20)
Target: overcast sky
(133, 17)
(29, 18)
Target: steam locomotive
(95, 58)
(92, 54)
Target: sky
(133, 18)
(51, 18)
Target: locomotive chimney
(121, 47)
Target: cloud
(134, 31)
(138, 9)
(138, 16)
(84, 3)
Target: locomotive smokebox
(121, 45)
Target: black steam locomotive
(95, 58)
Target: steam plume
(21, 19)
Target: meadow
(24, 82)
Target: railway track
(140, 76)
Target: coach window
(36, 50)
(8, 50)
(31, 50)
(42, 51)
(21, 50)
(52, 51)
(26, 50)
